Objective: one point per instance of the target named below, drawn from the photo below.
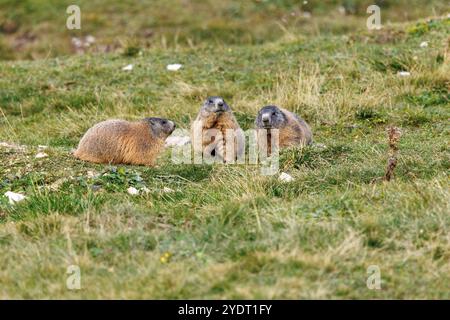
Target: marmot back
(293, 130)
(210, 132)
(120, 141)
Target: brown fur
(221, 122)
(120, 141)
(295, 132)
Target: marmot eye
(210, 101)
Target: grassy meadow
(226, 231)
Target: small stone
(403, 73)
(133, 191)
(128, 67)
(285, 177)
(91, 174)
(174, 67)
(14, 197)
(90, 39)
(40, 155)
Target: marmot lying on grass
(292, 129)
(216, 132)
(120, 141)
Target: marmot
(216, 132)
(292, 130)
(120, 141)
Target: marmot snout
(120, 141)
(293, 130)
(212, 127)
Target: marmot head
(161, 127)
(270, 117)
(215, 105)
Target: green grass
(35, 29)
(228, 231)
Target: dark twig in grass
(394, 134)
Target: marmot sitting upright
(216, 133)
(292, 130)
(120, 141)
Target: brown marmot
(292, 130)
(120, 141)
(216, 133)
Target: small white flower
(167, 190)
(133, 191)
(14, 197)
(128, 67)
(174, 67)
(403, 73)
(42, 147)
(424, 44)
(285, 177)
(40, 155)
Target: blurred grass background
(33, 29)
